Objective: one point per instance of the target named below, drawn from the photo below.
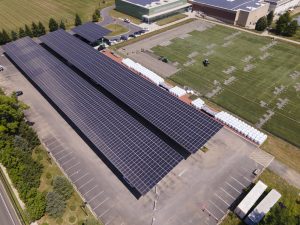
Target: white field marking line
(96, 196)
(227, 193)
(90, 190)
(181, 173)
(238, 182)
(80, 177)
(76, 172)
(86, 183)
(233, 188)
(211, 214)
(100, 203)
(7, 209)
(221, 199)
(76, 164)
(68, 160)
(69, 153)
(215, 205)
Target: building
(280, 6)
(243, 13)
(245, 205)
(151, 10)
(263, 208)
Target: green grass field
(243, 95)
(16, 13)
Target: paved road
(107, 19)
(8, 215)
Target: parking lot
(198, 191)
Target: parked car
(132, 35)
(144, 30)
(19, 93)
(127, 20)
(123, 37)
(1, 68)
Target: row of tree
(285, 25)
(36, 30)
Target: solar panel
(185, 125)
(139, 155)
(91, 31)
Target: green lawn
(116, 29)
(116, 14)
(16, 13)
(243, 95)
(170, 19)
(290, 198)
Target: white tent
(198, 103)
(177, 91)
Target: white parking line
(222, 199)
(227, 193)
(76, 172)
(86, 183)
(216, 206)
(238, 182)
(90, 190)
(68, 160)
(211, 214)
(80, 177)
(96, 196)
(106, 211)
(56, 153)
(76, 164)
(67, 154)
(100, 203)
(7, 209)
(233, 188)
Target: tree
(41, 29)
(5, 37)
(292, 28)
(36, 206)
(62, 25)
(34, 30)
(1, 40)
(261, 24)
(285, 25)
(28, 31)
(77, 20)
(55, 204)
(14, 35)
(95, 18)
(270, 18)
(62, 186)
(97, 12)
(22, 33)
(53, 25)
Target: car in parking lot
(1, 68)
(127, 20)
(19, 93)
(123, 37)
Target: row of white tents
(177, 91)
(156, 79)
(241, 127)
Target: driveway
(107, 19)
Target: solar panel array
(181, 122)
(139, 155)
(91, 31)
(143, 2)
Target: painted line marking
(68, 161)
(86, 183)
(181, 173)
(7, 209)
(80, 177)
(211, 214)
(76, 172)
(222, 199)
(90, 190)
(69, 153)
(76, 164)
(215, 205)
(238, 182)
(227, 193)
(96, 196)
(100, 203)
(233, 188)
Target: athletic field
(254, 77)
(16, 13)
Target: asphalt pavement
(8, 214)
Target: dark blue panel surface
(139, 155)
(91, 31)
(246, 5)
(185, 125)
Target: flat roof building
(243, 13)
(280, 6)
(151, 10)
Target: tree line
(285, 25)
(35, 30)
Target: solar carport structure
(185, 125)
(141, 157)
(91, 31)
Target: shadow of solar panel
(141, 157)
(181, 122)
(91, 31)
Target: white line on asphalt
(67, 154)
(76, 172)
(233, 188)
(227, 193)
(96, 196)
(7, 209)
(86, 183)
(217, 206)
(90, 190)
(80, 177)
(100, 204)
(106, 211)
(211, 214)
(181, 173)
(238, 182)
(56, 153)
(72, 166)
(222, 199)
(68, 160)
